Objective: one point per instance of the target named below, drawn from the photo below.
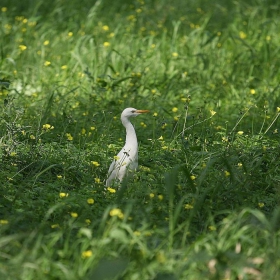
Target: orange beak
(142, 111)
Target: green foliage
(204, 203)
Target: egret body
(127, 158)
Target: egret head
(132, 112)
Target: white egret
(127, 158)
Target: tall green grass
(205, 201)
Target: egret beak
(142, 111)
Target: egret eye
(133, 111)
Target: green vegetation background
(205, 201)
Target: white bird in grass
(127, 158)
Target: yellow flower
(261, 204)
(70, 34)
(116, 212)
(268, 38)
(106, 44)
(239, 164)
(47, 126)
(240, 132)
(278, 109)
(4, 9)
(97, 180)
(111, 190)
(116, 158)
(175, 54)
(62, 195)
(152, 195)
(12, 154)
(160, 197)
(4, 222)
(252, 91)
(155, 114)
(63, 67)
(69, 136)
(92, 128)
(153, 46)
(242, 35)
(87, 254)
(160, 138)
(83, 131)
(164, 126)
(174, 109)
(74, 214)
(188, 206)
(22, 47)
(90, 200)
(32, 137)
(46, 42)
(212, 112)
(143, 124)
(105, 27)
(47, 63)
(224, 139)
(95, 163)
(88, 221)
(193, 177)
(227, 173)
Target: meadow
(204, 203)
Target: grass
(204, 203)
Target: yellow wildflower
(227, 173)
(87, 254)
(111, 190)
(105, 27)
(212, 112)
(106, 44)
(90, 200)
(22, 47)
(242, 35)
(69, 136)
(95, 163)
(152, 195)
(88, 221)
(74, 214)
(116, 212)
(62, 195)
